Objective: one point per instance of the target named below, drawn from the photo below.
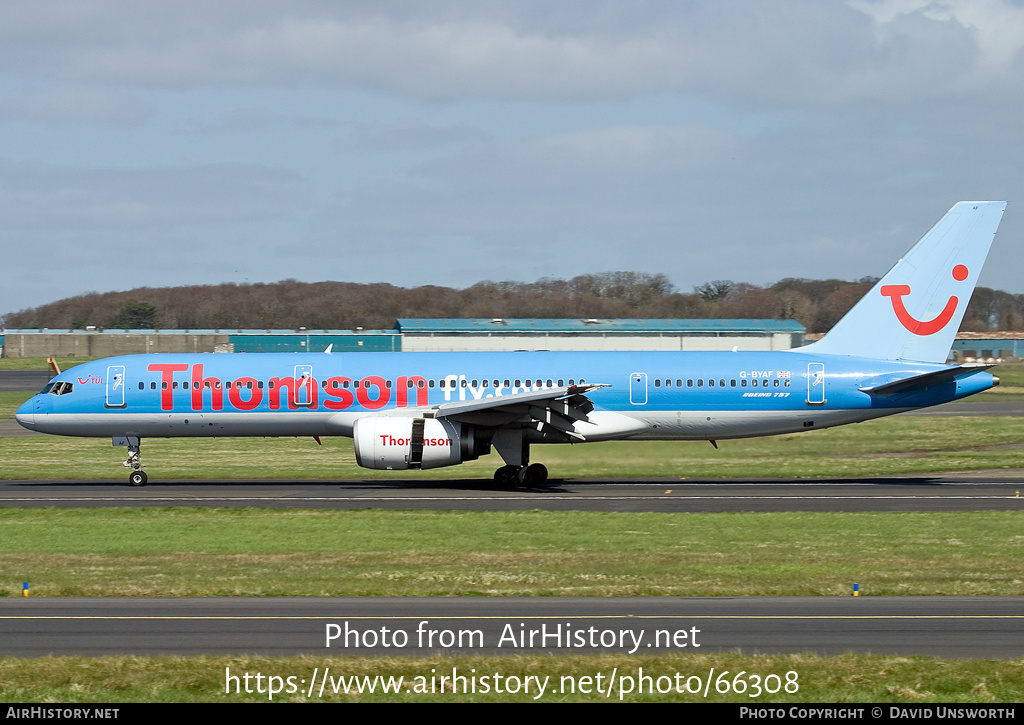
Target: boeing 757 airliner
(427, 410)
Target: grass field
(841, 679)
(40, 363)
(148, 552)
(284, 552)
(897, 445)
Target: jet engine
(399, 443)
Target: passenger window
(775, 382)
(700, 382)
(657, 382)
(721, 383)
(743, 383)
(689, 382)
(732, 383)
(711, 383)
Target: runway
(981, 491)
(961, 627)
(24, 381)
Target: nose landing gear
(137, 477)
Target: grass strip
(848, 678)
(270, 552)
(40, 363)
(897, 445)
(10, 402)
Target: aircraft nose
(26, 415)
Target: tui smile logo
(923, 327)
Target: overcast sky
(173, 143)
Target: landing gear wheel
(138, 478)
(507, 476)
(533, 475)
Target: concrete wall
(106, 344)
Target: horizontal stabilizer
(925, 380)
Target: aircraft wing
(925, 380)
(552, 410)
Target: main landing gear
(515, 452)
(529, 476)
(137, 477)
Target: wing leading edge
(553, 411)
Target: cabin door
(815, 383)
(304, 393)
(115, 386)
(638, 388)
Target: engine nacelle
(399, 443)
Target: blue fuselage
(666, 395)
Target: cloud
(414, 135)
(790, 51)
(49, 196)
(610, 155)
(74, 104)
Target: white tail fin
(914, 311)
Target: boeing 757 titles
(426, 410)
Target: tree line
(817, 304)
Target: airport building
(422, 335)
(988, 346)
(450, 335)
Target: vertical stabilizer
(914, 311)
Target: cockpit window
(59, 388)
(46, 388)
